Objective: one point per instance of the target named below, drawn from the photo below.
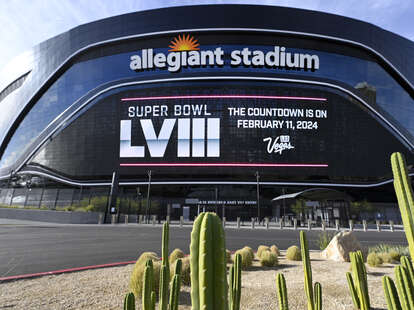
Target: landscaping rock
(340, 246)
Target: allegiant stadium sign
(185, 53)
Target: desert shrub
(275, 249)
(374, 260)
(175, 254)
(386, 257)
(324, 238)
(147, 256)
(228, 256)
(268, 259)
(395, 256)
(246, 257)
(388, 248)
(261, 249)
(293, 253)
(250, 251)
(136, 281)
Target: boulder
(340, 246)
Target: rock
(340, 246)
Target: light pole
(148, 195)
(258, 195)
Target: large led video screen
(226, 130)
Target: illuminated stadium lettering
(185, 53)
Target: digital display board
(224, 131)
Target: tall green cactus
(317, 290)
(235, 283)
(282, 292)
(358, 283)
(176, 285)
(391, 295)
(208, 264)
(404, 274)
(147, 289)
(314, 297)
(404, 192)
(129, 302)
(165, 269)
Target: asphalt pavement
(31, 247)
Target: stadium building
(246, 110)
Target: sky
(25, 23)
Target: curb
(61, 271)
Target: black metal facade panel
(51, 54)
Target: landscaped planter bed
(106, 288)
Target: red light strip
(219, 165)
(222, 97)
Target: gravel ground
(105, 288)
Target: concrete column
(100, 218)
(113, 219)
(351, 225)
(364, 224)
(238, 222)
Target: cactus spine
(282, 292)
(235, 283)
(358, 283)
(208, 264)
(165, 269)
(310, 293)
(391, 295)
(404, 192)
(129, 302)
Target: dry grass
(105, 288)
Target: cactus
(129, 302)
(208, 264)
(235, 283)
(358, 283)
(148, 287)
(153, 300)
(404, 287)
(391, 295)
(404, 192)
(314, 297)
(352, 289)
(404, 274)
(165, 269)
(317, 290)
(282, 292)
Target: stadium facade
(216, 106)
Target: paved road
(28, 247)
